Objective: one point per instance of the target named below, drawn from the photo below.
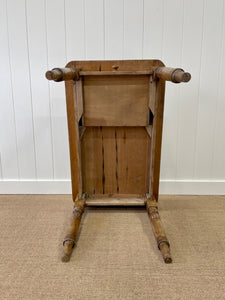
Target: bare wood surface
(79, 98)
(160, 236)
(121, 65)
(81, 131)
(62, 74)
(74, 143)
(70, 238)
(113, 196)
(113, 73)
(115, 160)
(149, 130)
(116, 101)
(170, 74)
(111, 156)
(115, 202)
(156, 143)
(152, 94)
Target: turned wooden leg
(70, 238)
(162, 242)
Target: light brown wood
(114, 73)
(155, 156)
(152, 94)
(70, 238)
(114, 160)
(121, 65)
(118, 201)
(149, 130)
(62, 74)
(116, 101)
(171, 74)
(81, 131)
(160, 236)
(114, 196)
(79, 99)
(74, 142)
(115, 121)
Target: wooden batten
(115, 201)
(156, 141)
(152, 94)
(79, 98)
(74, 140)
(114, 73)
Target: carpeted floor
(116, 256)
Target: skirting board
(171, 187)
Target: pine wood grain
(114, 160)
(116, 101)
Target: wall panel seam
(65, 29)
(13, 100)
(179, 92)
(198, 94)
(49, 102)
(218, 85)
(31, 98)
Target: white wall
(36, 35)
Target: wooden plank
(152, 94)
(116, 101)
(133, 152)
(74, 143)
(112, 73)
(114, 196)
(156, 142)
(123, 65)
(114, 160)
(92, 161)
(115, 202)
(109, 157)
(79, 98)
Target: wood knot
(115, 67)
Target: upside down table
(115, 118)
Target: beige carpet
(116, 256)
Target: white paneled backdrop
(36, 35)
